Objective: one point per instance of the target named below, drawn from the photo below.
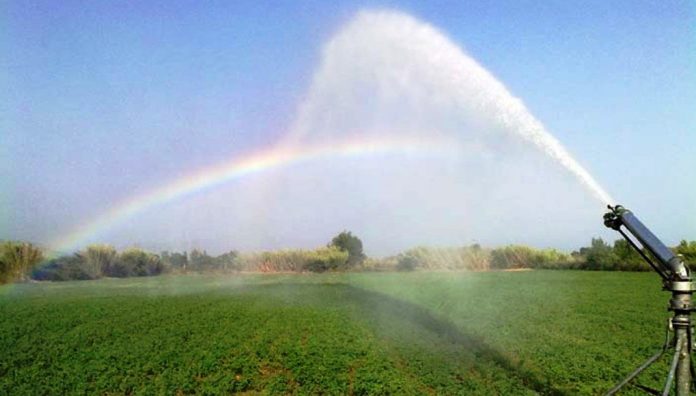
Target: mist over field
(392, 205)
(326, 198)
(400, 333)
(388, 75)
(374, 74)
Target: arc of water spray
(391, 48)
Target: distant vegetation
(598, 256)
(21, 261)
(99, 261)
(16, 259)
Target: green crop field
(536, 332)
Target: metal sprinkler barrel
(676, 278)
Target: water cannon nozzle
(612, 219)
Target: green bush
(476, 258)
(688, 251)
(379, 264)
(229, 261)
(552, 259)
(277, 261)
(98, 260)
(176, 261)
(17, 259)
(406, 263)
(200, 260)
(63, 268)
(352, 245)
(471, 258)
(137, 262)
(327, 259)
(513, 256)
(627, 259)
(319, 260)
(598, 256)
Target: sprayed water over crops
(388, 89)
(443, 333)
(385, 64)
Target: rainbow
(276, 157)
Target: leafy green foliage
(62, 268)
(17, 259)
(99, 260)
(476, 333)
(350, 243)
(345, 252)
(598, 255)
(228, 261)
(175, 260)
(200, 260)
(137, 262)
(319, 260)
(469, 258)
(327, 259)
(688, 251)
(516, 256)
(407, 262)
(601, 256)
(512, 257)
(626, 258)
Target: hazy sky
(102, 101)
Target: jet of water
(384, 77)
(390, 57)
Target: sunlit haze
(239, 126)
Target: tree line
(599, 255)
(22, 261)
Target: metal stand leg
(635, 373)
(645, 365)
(673, 368)
(681, 343)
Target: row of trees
(98, 261)
(290, 260)
(344, 252)
(20, 261)
(598, 256)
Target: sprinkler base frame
(682, 366)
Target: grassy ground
(548, 332)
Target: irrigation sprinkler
(676, 278)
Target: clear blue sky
(102, 100)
